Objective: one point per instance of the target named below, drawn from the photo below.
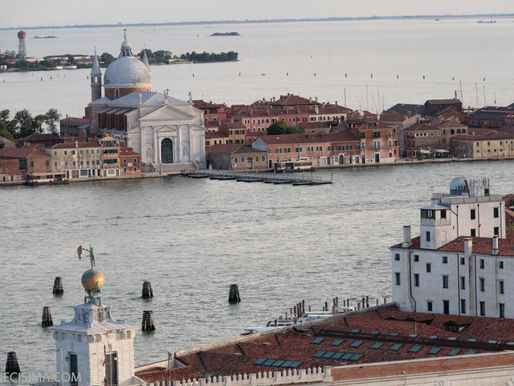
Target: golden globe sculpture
(92, 279)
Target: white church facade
(169, 133)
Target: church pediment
(167, 113)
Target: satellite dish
(79, 252)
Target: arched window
(167, 151)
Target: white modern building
(462, 262)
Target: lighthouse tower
(94, 349)
(22, 52)
(96, 80)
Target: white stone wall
(412, 298)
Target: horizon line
(256, 21)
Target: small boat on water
(70, 67)
(307, 317)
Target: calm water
(463, 50)
(193, 238)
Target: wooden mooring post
(12, 368)
(46, 319)
(58, 287)
(147, 292)
(233, 294)
(148, 322)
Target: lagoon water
(310, 59)
(193, 238)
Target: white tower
(94, 349)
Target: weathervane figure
(92, 279)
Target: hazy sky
(60, 12)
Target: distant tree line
(205, 57)
(24, 124)
(157, 57)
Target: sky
(59, 12)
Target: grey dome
(459, 186)
(127, 71)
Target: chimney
(406, 237)
(468, 247)
(496, 249)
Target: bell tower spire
(96, 79)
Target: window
(500, 264)
(502, 310)
(481, 263)
(429, 306)
(428, 214)
(482, 308)
(445, 259)
(496, 212)
(416, 258)
(416, 280)
(501, 287)
(427, 237)
(135, 169)
(443, 214)
(496, 231)
(397, 257)
(462, 306)
(473, 214)
(473, 232)
(462, 261)
(445, 281)
(462, 282)
(397, 278)
(429, 267)
(482, 284)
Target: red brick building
(30, 159)
(130, 162)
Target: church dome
(127, 71)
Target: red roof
(233, 149)
(127, 151)
(383, 334)
(22, 152)
(293, 100)
(343, 136)
(486, 137)
(75, 144)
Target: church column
(178, 142)
(156, 147)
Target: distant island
(253, 21)
(45, 37)
(69, 61)
(225, 34)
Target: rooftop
(381, 334)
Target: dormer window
(428, 214)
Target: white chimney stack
(496, 248)
(468, 247)
(406, 236)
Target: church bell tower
(96, 80)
